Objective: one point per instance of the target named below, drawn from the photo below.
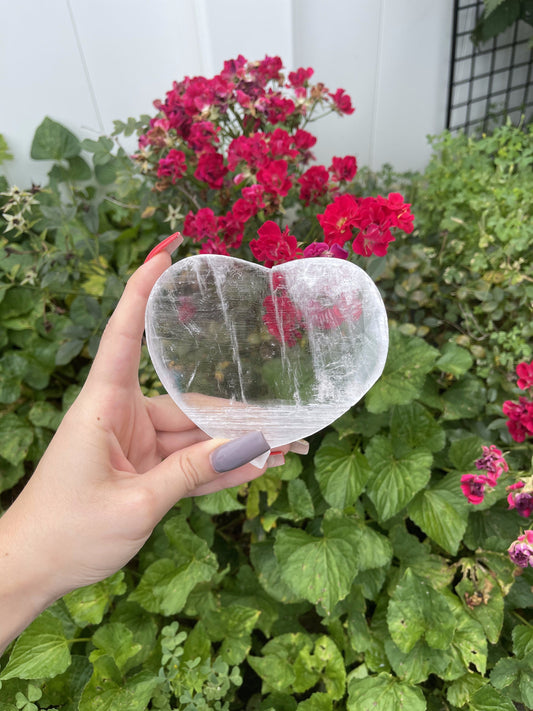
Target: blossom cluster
(520, 414)
(521, 550)
(231, 155)
(493, 464)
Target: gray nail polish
(238, 452)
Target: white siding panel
(339, 40)
(134, 49)
(41, 74)
(412, 82)
(88, 63)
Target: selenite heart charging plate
(286, 350)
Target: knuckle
(191, 474)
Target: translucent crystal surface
(286, 350)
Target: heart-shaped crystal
(286, 350)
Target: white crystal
(286, 350)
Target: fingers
(166, 416)
(187, 471)
(117, 360)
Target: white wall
(85, 63)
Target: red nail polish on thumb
(169, 245)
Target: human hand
(118, 462)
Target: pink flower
(214, 246)
(525, 375)
(173, 165)
(300, 77)
(314, 184)
(279, 143)
(282, 318)
(202, 136)
(273, 246)
(338, 219)
(521, 550)
(398, 212)
(473, 487)
(277, 108)
(343, 169)
(372, 240)
(273, 177)
(342, 102)
(322, 249)
(522, 501)
(520, 414)
(200, 226)
(211, 169)
(230, 230)
(303, 140)
(252, 150)
(268, 69)
(492, 462)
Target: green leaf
(108, 691)
(269, 573)
(454, 360)
(285, 664)
(461, 690)
(41, 650)
(408, 362)
(395, 479)
(320, 570)
(300, 500)
(316, 702)
(469, 643)
(220, 501)
(69, 350)
(78, 169)
(463, 452)
(44, 414)
(384, 693)
(341, 471)
(166, 583)
(64, 690)
(490, 699)
(416, 665)
(509, 670)
(441, 513)
(489, 611)
(465, 399)
(522, 640)
(87, 605)
(52, 141)
(116, 640)
(16, 437)
(413, 427)
(418, 611)
(233, 626)
(18, 301)
(292, 663)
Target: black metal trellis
(493, 81)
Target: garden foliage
(358, 577)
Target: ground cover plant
(374, 573)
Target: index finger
(117, 360)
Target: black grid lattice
(490, 82)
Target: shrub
(356, 577)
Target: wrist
(25, 582)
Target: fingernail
(301, 446)
(169, 245)
(238, 452)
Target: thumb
(188, 470)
